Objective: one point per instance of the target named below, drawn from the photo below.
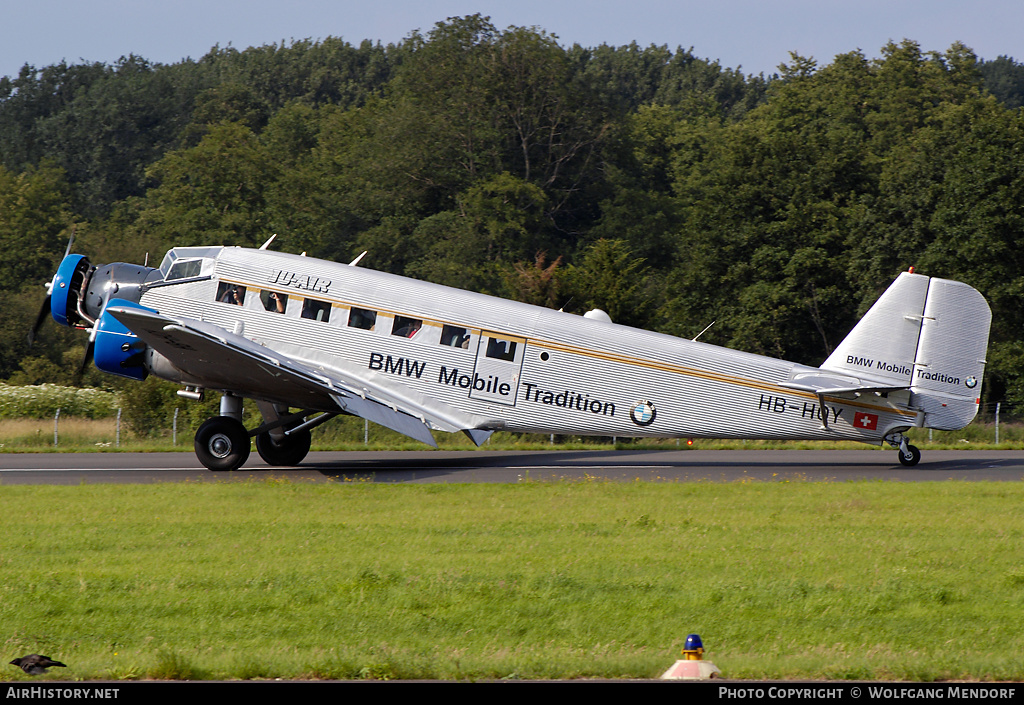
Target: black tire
(222, 443)
(291, 450)
(911, 460)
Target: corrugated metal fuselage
(514, 366)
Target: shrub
(43, 400)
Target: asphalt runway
(518, 466)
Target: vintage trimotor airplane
(308, 339)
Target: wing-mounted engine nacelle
(118, 350)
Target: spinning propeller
(44, 310)
(78, 295)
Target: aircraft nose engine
(66, 290)
(78, 297)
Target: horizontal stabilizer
(818, 383)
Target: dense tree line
(661, 187)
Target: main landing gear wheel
(222, 443)
(290, 450)
(911, 457)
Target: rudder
(950, 359)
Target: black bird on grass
(35, 665)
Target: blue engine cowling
(117, 350)
(64, 292)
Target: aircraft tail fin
(926, 334)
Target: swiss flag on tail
(868, 422)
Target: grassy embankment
(915, 581)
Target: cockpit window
(188, 262)
(169, 259)
(183, 269)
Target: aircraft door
(499, 362)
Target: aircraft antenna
(354, 262)
(266, 244)
(705, 330)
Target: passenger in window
(231, 294)
(455, 337)
(273, 301)
(406, 327)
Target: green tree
(1004, 78)
(214, 192)
(35, 220)
(787, 237)
(497, 223)
(609, 277)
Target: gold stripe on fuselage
(598, 354)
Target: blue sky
(755, 35)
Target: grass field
(867, 580)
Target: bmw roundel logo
(971, 382)
(643, 413)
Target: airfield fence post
(174, 428)
(997, 422)
(56, 418)
(117, 440)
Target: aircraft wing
(215, 358)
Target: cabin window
(406, 327)
(362, 318)
(501, 349)
(454, 336)
(316, 310)
(228, 293)
(274, 301)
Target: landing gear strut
(223, 443)
(909, 455)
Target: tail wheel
(290, 450)
(222, 443)
(911, 457)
